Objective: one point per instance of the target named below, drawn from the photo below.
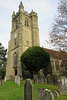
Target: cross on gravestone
(44, 94)
(28, 90)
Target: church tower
(24, 34)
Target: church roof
(58, 55)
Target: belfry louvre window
(26, 23)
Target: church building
(24, 34)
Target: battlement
(33, 13)
(14, 16)
(21, 10)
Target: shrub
(2, 72)
(26, 74)
(35, 58)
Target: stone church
(24, 34)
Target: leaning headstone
(28, 90)
(49, 79)
(44, 94)
(56, 94)
(17, 80)
(35, 77)
(42, 78)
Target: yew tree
(34, 59)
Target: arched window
(27, 24)
(15, 60)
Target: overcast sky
(46, 10)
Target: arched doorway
(15, 63)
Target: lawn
(11, 91)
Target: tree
(34, 59)
(58, 34)
(3, 58)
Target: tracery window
(26, 23)
(15, 60)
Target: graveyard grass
(11, 91)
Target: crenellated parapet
(33, 13)
(14, 16)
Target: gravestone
(44, 94)
(56, 94)
(35, 77)
(55, 78)
(5, 79)
(1, 82)
(28, 90)
(49, 79)
(63, 85)
(42, 78)
(17, 80)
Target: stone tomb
(17, 80)
(28, 90)
(44, 94)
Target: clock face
(15, 36)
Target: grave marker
(28, 90)
(44, 94)
(17, 80)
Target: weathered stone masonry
(24, 34)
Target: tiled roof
(58, 55)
